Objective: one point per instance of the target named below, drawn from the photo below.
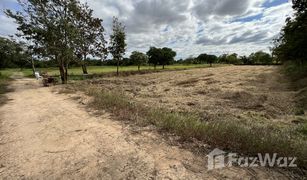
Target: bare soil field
(247, 93)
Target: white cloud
(8, 27)
(190, 26)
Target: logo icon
(218, 159)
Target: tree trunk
(301, 65)
(66, 73)
(84, 68)
(138, 67)
(210, 64)
(33, 66)
(62, 73)
(63, 69)
(117, 69)
(155, 66)
(163, 66)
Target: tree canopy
(117, 41)
(138, 58)
(292, 43)
(207, 58)
(55, 31)
(260, 57)
(90, 39)
(13, 54)
(160, 56)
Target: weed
(303, 129)
(299, 111)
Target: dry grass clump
(187, 83)
(245, 100)
(301, 98)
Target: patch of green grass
(11, 71)
(295, 71)
(4, 81)
(4, 78)
(108, 69)
(299, 111)
(303, 129)
(228, 134)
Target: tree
(222, 58)
(117, 42)
(245, 60)
(13, 54)
(207, 58)
(49, 25)
(190, 60)
(292, 44)
(202, 58)
(52, 28)
(7, 52)
(90, 39)
(261, 57)
(160, 56)
(300, 6)
(233, 59)
(167, 56)
(154, 56)
(138, 58)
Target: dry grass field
(257, 93)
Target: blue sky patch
(249, 18)
(271, 3)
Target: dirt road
(45, 135)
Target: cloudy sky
(190, 27)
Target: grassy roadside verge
(129, 73)
(75, 73)
(228, 135)
(100, 70)
(4, 81)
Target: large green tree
(138, 58)
(13, 54)
(207, 58)
(161, 56)
(51, 26)
(117, 42)
(292, 43)
(167, 56)
(154, 56)
(90, 39)
(261, 57)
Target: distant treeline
(15, 55)
(258, 58)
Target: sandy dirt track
(45, 135)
